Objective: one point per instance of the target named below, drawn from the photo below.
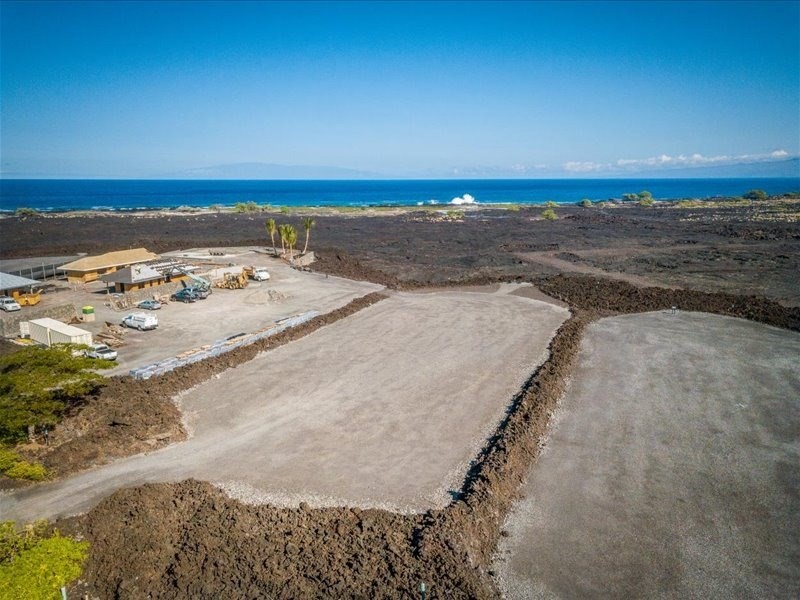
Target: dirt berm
(189, 540)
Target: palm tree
(308, 223)
(271, 229)
(291, 239)
(282, 234)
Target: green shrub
(35, 564)
(246, 207)
(12, 542)
(549, 214)
(646, 202)
(550, 204)
(586, 203)
(8, 458)
(755, 195)
(26, 470)
(284, 210)
(630, 197)
(514, 207)
(455, 214)
(23, 211)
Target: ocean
(66, 195)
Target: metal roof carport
(15, 282)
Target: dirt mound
(597, 294)
(342, 264)
(210, 546)
(129, 416)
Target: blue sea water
(63, 195)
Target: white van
(140, 321)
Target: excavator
(202, 286)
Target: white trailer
(49, 331)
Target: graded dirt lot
(672, 470)
(384, 408)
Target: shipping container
(49, 332)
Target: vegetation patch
(37, 561)
(248, 207)
(23, 211)
(757, 195)
(37, 385)
(13, 465)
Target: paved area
(224, 313)
(383, 408)
(673, 470)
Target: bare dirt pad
(673, 470)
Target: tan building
(134, 278)
(90, 268)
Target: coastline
(337, 197)
(386, 210)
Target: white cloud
(584, 167)
(621, 166)
(697, 159)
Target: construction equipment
(232, 281)
(200, 282)
(30, 299)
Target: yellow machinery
(232, 281)
(31, 299)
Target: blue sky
(406, 89)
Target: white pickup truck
(260, 274)
(101, 351)
(9, 304)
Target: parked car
(185, 295)
(9, 304)
(140, 321)
(201, 293)
(149, 304)
(101, 351)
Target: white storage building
(49, 331)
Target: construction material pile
(112, 335)
(220, 347)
